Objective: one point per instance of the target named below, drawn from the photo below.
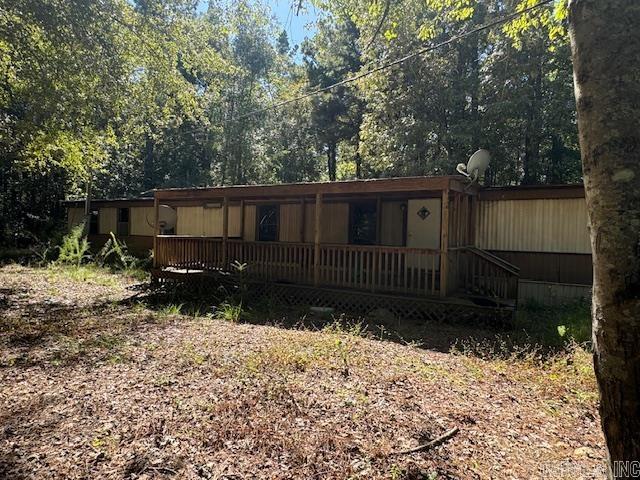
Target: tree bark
(606, 60)
(332, 161)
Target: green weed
(229, 312)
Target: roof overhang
(352, 187)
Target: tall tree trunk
(332, 161)
(148, 165)
(531, 164)
(606, 62)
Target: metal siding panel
(541, 225)
(290, 217)
(75, 216)
(107, 220)
(190, 221)
(141, 221)
(249, 223)
(552, 293)
(335, 223)
(392, 218)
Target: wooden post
(303, 219)
(242, 220)
(316, 247)
(379, 220)
(156, 228)
(444, 243)
(225, 230)
(473, 206)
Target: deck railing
(381, 269)
(485, 274)
(374, 268)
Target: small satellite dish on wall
(167, 218)
(476, 166)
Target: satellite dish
(476, 166)
(167, 218)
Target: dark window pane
(267, 223)
(123, 214)
(364, 223)
(93, 223)
(123, 222)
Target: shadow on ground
(545, 330)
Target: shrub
(74, 249)
(115, 255)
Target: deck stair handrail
(483, 273)
(490, 257)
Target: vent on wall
(213, 205)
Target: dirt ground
(94, 384)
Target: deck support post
(472, 220)
(225, 230)
(444, 243)
(242, 220)
(378, 220)
(156, 228)
(316, 246)
(303, 219)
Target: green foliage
(74, 249)
(115, 254)
(171, 309)
(132, 96)
(229, 312)
(556, 325)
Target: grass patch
(555, 326)
(83, 273)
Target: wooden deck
(375, 269)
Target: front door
(423, 223)
(423, 231)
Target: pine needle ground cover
(94, 384)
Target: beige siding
(540, 225)
(75, 216)
(334, 226)
(107, 220)
(141, 221)
(249, 223)
(212, 222)
(200, 221)
(392, 219)
(290, 220)
(189, 221)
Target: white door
(423, 231)
(423, 223)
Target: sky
(297, 26)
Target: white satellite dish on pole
(476, 166)
(167, 218)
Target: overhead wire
(400, 60)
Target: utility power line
(409, 56)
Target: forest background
(134, 95)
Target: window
(93, 222)
(123, 222)
(267, 223)
(363, 226)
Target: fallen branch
(433, 443)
